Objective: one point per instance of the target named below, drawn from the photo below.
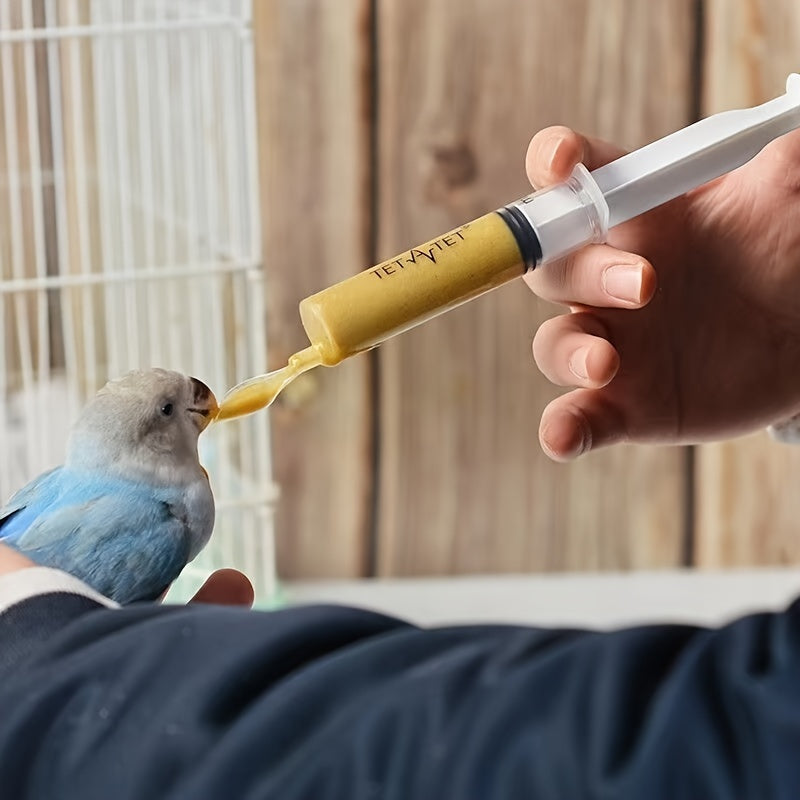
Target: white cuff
(786, 431)
(34, 581)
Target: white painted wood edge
(605, 600)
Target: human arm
(206, 702)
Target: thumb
(778, 163)
(227, 587)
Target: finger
(578, 422)
(12, 560)
(598, 276)
(227, 587)
(554, 152)
(572, 350)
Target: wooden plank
(463, 86)
(747, 504)
(313, 86)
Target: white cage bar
(129, 234)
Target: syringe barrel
(362, 311)
(370, 307)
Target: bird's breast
(198, 513)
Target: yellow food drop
(257, 393)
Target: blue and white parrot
(131, 505)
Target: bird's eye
(167, 409)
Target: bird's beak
(204, 404)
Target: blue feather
(119, 536)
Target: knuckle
(591, 323)
(544, 343)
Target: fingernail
(575, 447)
(624, 282)
(564, 448)
(551, 152)
(577, 362)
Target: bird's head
(146, 423)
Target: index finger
(553, 153)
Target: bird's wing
(126, 544)
(41, 491)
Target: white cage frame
(130, 237)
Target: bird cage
(129, 235)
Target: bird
(131, 505)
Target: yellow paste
(362, 311)
(365, 310)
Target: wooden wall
(385, 122)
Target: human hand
(713, 351)
(11, 560)
(224, 587)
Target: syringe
(366, 309)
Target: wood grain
(313, 86)
(747, 508)
(463, 86)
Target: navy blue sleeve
(322, 703)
